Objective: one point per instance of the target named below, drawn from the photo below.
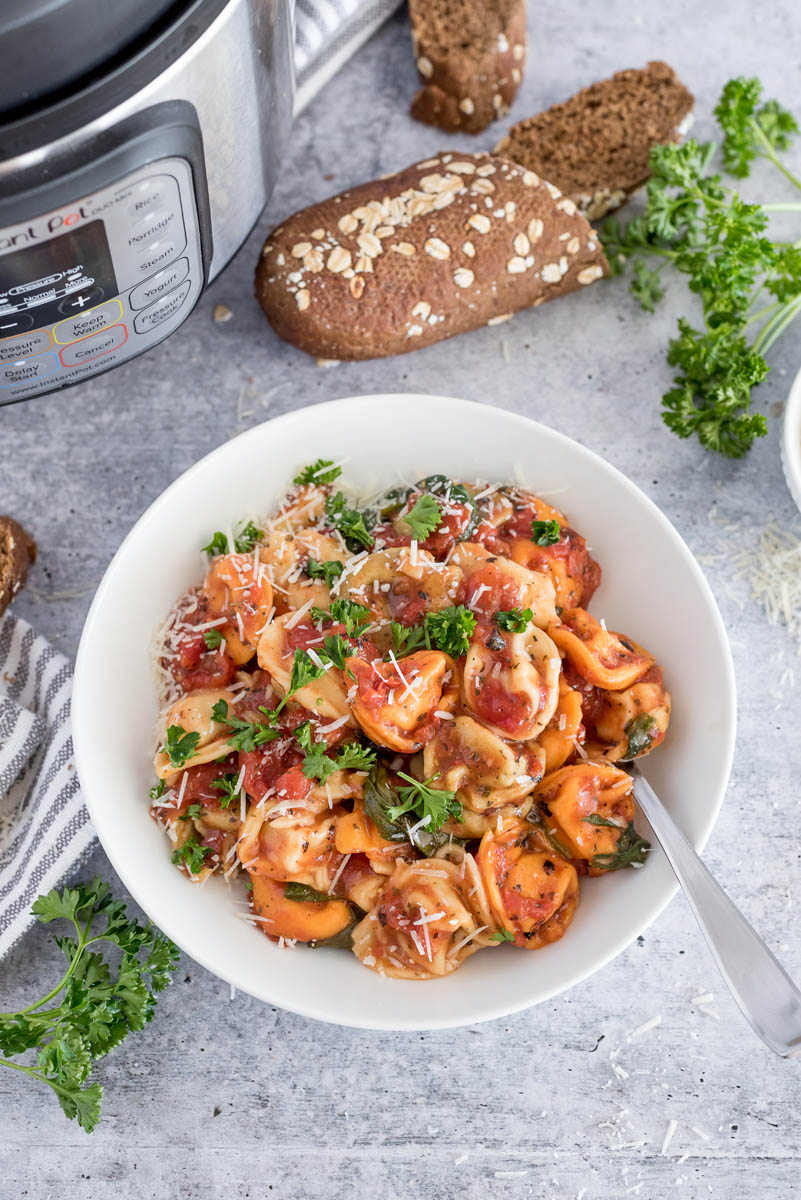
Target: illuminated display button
(158, 254)
(94, 347)
(91, 321)
(76, 302)
(158, 284)
(150, 194)
(24, 346)
(25, 370)
(162, 310)
(11, 323)
(159, 224)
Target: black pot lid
(49, 46)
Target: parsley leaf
(318, 764)
(247, 735)
(514, 620)
(218, 545)
(304, 670)
(423, 518)
(158, 789)
(432, 805)
(227, 784)
(192, 854)
(721, 245)
(631, 849)
(322, 470)
(336, 650)
(406, 638)
(194, 810)
(502, 935)
(213, 639)
(329, 571)
(545, 533)
(349, 521)
(355, 617)
(450, 629)
(179, 745)
(245, 540)
(94, 1006)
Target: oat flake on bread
(445, 246)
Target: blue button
(27, 370)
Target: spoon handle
(765, 993)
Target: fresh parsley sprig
(244, 541)
(319, 765)
(514, 620)
(350, 522)
(191, 854)
(423, 517)
(179, 745)
(227, 785)
(247, 735)
(95, 1005)
(213, 639)
(720, 244)
(545, 533)
(435, 806)
(406, 638)
(329, 571)
(450, 629)
(355, 617)
(322, 470)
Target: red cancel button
(95, 346)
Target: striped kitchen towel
(44, 826)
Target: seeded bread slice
(442, 247)
(470, 55)
(17, 553)
(595, 146)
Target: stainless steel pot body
(119, 203)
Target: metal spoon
(765, 993)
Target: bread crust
(463, 92)
(17, 554)
(610, 126)
(445, 246)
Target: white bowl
(652, 589)
(791, 440)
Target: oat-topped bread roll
(471, 57)
(445, 246)
(17, 553)
(595, 146)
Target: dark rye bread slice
(470, 55)
(442, 247)
(595, 146)
(17, 553)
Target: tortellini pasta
(400, 724)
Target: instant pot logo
(42, 228)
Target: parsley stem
(777, 325)
(771, 153)
(777, 208)
(82, 943)
(764, 312)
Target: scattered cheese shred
(773, 569)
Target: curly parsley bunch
(720, 243)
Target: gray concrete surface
(227, 1097)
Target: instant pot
(139, 142)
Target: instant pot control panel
(88, 285)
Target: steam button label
(159, 284)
